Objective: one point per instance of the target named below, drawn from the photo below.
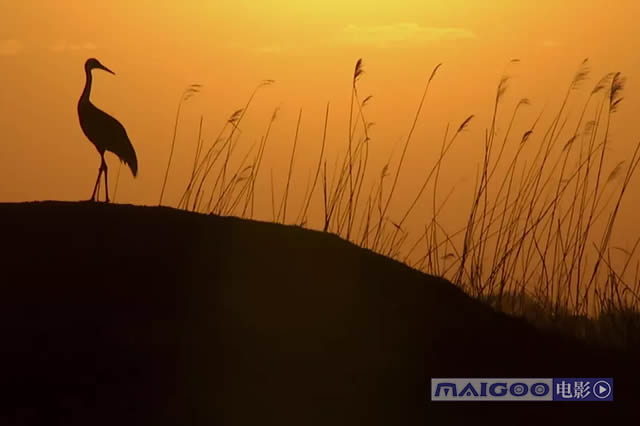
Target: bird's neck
(87, 87)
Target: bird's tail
(128, 156)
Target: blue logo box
(583, 389)
(529, 389)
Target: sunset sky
(157, 48)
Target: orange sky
(157, 48)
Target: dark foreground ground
(122, 315)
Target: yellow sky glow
(157, 48)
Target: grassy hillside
(115, 314)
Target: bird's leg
(106, 180)
(95, 188)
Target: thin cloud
(550, 43)
(62, 46)
(10, 47)
(401, 34)
(274, 48)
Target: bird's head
(93, 63)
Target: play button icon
(601, 389)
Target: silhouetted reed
(186, 95)
(539, 225)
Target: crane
(105, 132)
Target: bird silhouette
(105, 132)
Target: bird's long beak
(102, 67)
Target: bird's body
(104, 131)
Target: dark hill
(123, 315)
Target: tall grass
(186, 95)
(540, 219)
